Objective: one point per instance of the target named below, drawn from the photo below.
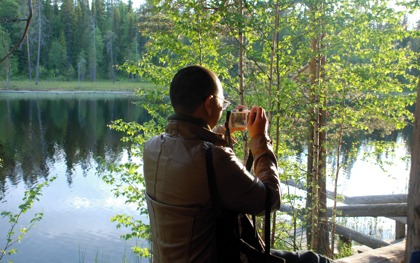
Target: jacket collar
(181, 117)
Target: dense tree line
(69, 40)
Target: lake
(60, 135)
(46, 135)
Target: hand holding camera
(255, 120)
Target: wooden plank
(389, 254)
(348, 233)
(369, 199)
(386, 210)
(376, 199)
(360, 238)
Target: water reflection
(38, 129)
(46, 135)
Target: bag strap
(210, 175)
(267, 229)
(267, 220)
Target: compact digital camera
(238, 118)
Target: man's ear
(208, 104)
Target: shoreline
(73, 86)
(68, 91)
(66, 94)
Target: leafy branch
(12, 236)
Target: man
(182, 215)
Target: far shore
(126, 86)
(67, 91)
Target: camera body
(238, 118)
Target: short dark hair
(190, 86)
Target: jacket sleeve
(237, 188)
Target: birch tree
(413, 211)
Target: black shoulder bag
(237, 237)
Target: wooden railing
(390, 206)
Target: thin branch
(28, 21)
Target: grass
(45, 85)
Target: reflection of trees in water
(36, 133)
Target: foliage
(126, 178)
(363, 88)
(13, 237)
(128, 184)
(344, 249)
(67, 29)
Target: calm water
(60, 135)
(47, 135)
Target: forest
(88, 40)
(68, 40)
(325, 70)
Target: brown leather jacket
(177, 192)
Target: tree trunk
(275, 46)
(28, 50)
(313, 155)
(317, 155)
(241, 71)
(39, 42)
(241, 51)
(94, 64)
(7, 69)
(318, 237)
(309, 181)
(413, 212)
(112, 63)
(323, 241)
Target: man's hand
(257, 122)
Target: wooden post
(399, 230)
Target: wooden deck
(390, 254)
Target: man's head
(190, 86)
(196, 91)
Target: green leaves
(363, 79)
(30, 196)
